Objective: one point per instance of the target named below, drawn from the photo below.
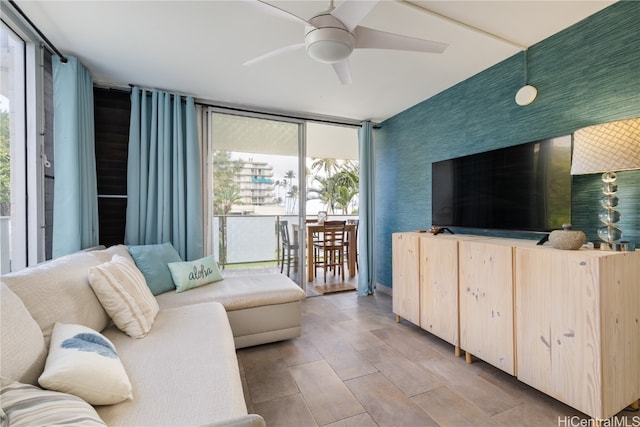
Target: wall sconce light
(607, 148)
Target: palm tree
(226, 193)
(328, 166)
(292, 195)
(324, 190)
(339, 190)
(347, 185)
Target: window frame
(28, 246)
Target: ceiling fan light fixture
(327, 39)
(329, 51)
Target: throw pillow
(84, 363)
(191, 274)
(152, 261)
(28, 405)
(125, 296)
(105, 255)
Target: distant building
(255, 181)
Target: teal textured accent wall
(586, 74)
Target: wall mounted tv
(525, 187)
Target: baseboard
(384, 289)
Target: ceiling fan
(332, 35)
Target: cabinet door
(558, 333)
(406, 289)
(439, 287)
(620, 310)
(486, 302)
(578, 337)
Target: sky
(4, 103)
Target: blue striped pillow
(28, 405)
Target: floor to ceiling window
(22, 138)
(332, 169)
(255, 189)
(12, 149)
(13, 183)
(268, 176)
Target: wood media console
(564, 322)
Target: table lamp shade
(613, 146)
(607, 148)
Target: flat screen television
(525, 187)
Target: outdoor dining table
(314, 227)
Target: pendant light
(527, 93)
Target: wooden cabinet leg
(457, 351)
(468, 358)
(397, 318)
(635, 405)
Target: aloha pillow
(28, 405)
(84, 363)
(191, 274)
(125, 296)
(152, 261)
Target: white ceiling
(199, 47)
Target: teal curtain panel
(366, 271)
(75, 204)
(164, 179)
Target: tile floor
(355, 366)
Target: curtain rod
(63, 58)
(247, 109)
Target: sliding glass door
(268, 178)
(256, 193)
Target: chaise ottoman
(261, 308)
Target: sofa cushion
(185, 372)
(27, 405)
(84, 363)
(59, 291)
(124, 294)
(191, 274)
(238, 292)
(22, 348)
(152, 261)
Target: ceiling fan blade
(352, 12)
(368, 38)
(274, 53)
(280, 13)
(343, 71)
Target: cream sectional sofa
(185, 371)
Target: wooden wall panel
(49, 172)
(112, 220)
(112, 115)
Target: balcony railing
(252, 239)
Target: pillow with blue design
(85, 363)
(191, 274)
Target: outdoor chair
(288, 247)
(329, 250)
(355, 222)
